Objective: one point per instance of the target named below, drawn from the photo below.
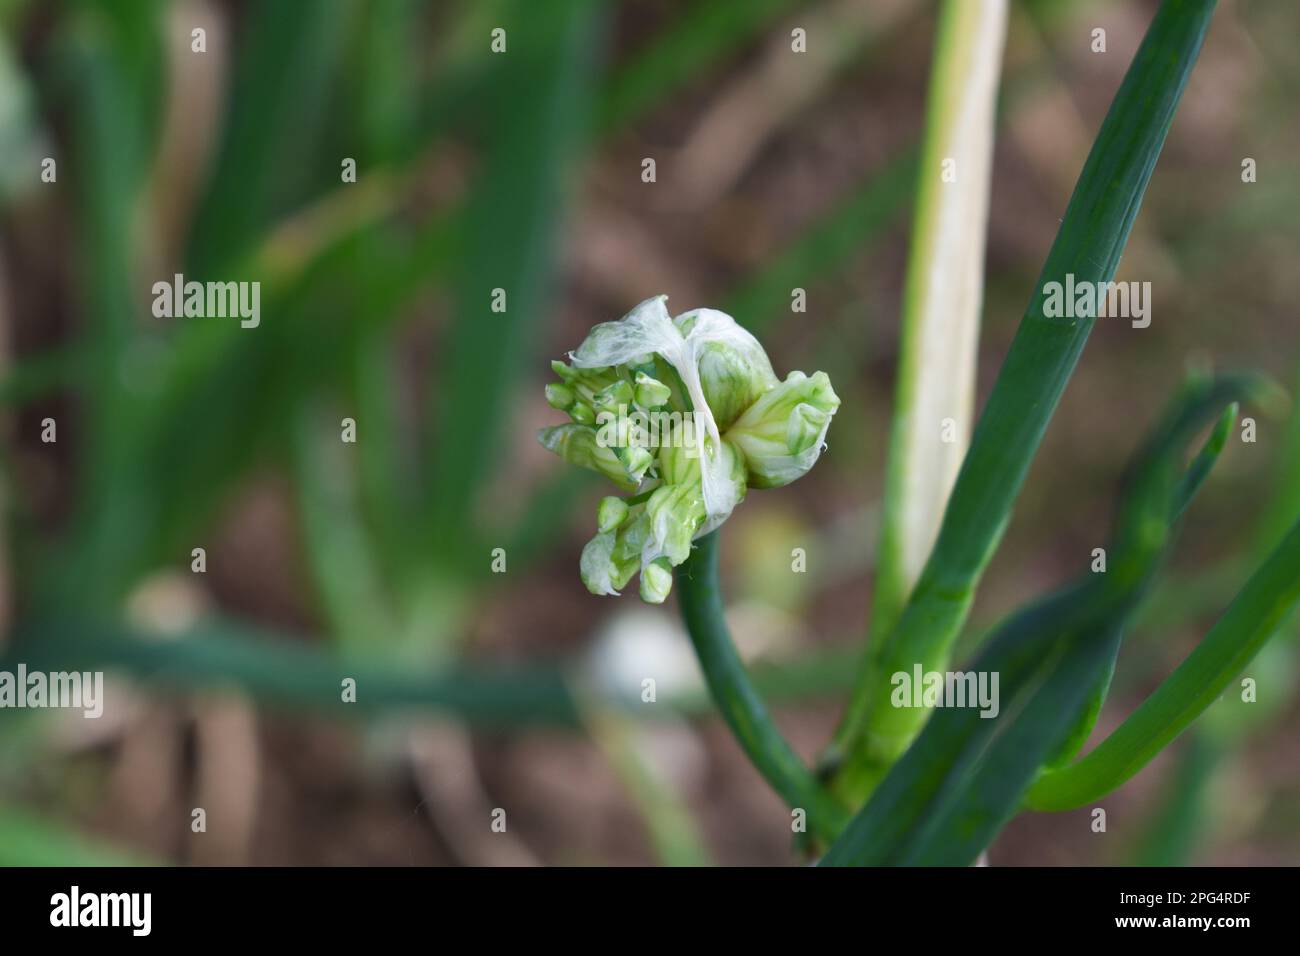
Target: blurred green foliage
(171, 423)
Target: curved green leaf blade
(1253, 617)
(964, 776)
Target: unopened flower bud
(732, 380)
(781, 434)
(740, 427)
(679, 464)
(577, 445)
(656, 581)
(676, 513)
(612, 396)
(610, 514)
(636, 460)
(650, 392)
(559, 396)
(602, 570)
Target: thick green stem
(735, 696)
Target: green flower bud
(650, 392)
(732, 381)
(577, 445)
(612, 396)
(633, 535)
(676, 513)
(656, 581)
(636, 461)
(781, 435)
(611, 513)
(602, 571)
(586, 383)
(745, 428)
(734, 369)
(679, 465)
(560, 396)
